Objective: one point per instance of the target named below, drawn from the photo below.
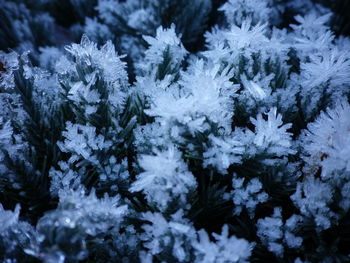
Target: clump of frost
(270, 136)
(165, 178)
(313, 198)
(16, 236)
(174, 235)
(236, 11)
(78, 216)
(97, 76)
(276, 235)
(222, 152)
(82, 140)
(204, 93)
(9, 64)
(164, 49)
(326, 143)
(247, 195)
(225, 248)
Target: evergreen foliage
(174, 131)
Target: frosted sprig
(8, 218)
(205, 93)
(326, 143)
(271, 135)
(165, 178)
(82, 141)
(78, 215)
(98, 75)
(276, 235)
(9, 63)
(64, 178)
(225, 248)
(335, 66)
(174, 235)
(271, 233)
(84, 210)
(314, 198)
(246, 36)
(166, 45)
(247, 195)
(81, 211)
(222, 152)
(236, 11)
(16, 237)
(106, 59)
(312, 34)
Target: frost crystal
(165, 178)
(271, 135)
(254, 89)
(249, 195)
(225, 249)
(105, 59)
(9, 63)
(222, 153)
(77, 217)
(203, 94)
(16, 237)
(97, 77)
(8, 218)
(82, 141)
(313, 198)
(246, 36)
(237, 10)
(165, 46)
(175, 235)
(271, 233)
(326, 143)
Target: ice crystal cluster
(207, 131)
